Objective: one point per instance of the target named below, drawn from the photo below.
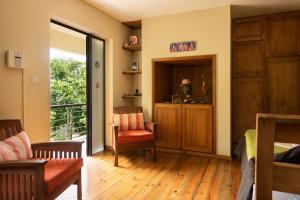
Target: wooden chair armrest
(61, 149)
(115, 128)
(16, 175)
(151, 126)
(22, 163)
(114, 125)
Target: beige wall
(24, 25)
(211, 29)
(67, 42)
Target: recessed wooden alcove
(168, 73)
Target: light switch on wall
(35, 79)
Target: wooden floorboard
(173, 176)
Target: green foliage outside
(68, 86)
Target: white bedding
(279, 195)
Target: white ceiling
(127, 10)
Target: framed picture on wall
(183, 46)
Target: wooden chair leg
(116, 146)
(144, 153)
(79, 188)
(116, 157)
(154, 153)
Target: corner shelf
(130, 96)
(133, 24)
(133, 48)
(134, 76)
(131, 72)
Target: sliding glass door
(96, 108)
(77, 87)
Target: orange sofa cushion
(135, 136)
(59, 170)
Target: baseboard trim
(216, 156)
(195, 153)
(109, 148)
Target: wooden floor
(173, 176)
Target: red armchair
(133, 139)
(54, 167)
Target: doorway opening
(77, 87)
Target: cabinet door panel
(248, 29)
(283, 35)
(283, 85)
(197, 132)
(248, 58)
(247, 101)
(168, 118)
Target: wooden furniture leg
(154, 153)
(79, 188)
(144, 153)
(116, 158)
(116, 149)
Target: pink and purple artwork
(183, 46)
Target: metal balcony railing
(68, 121)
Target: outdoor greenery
(68, 86)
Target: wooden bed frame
(271, 175)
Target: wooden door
(248, 58)
(283, 34)
(283, 85)
(197, 128)
(247, 101)
(168, 117)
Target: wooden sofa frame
(271, 175)
(25, 179)
(149, 126)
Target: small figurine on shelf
(126, 44)
(186, 86)
(203, 86)
(205, 91)
(133, 40)
(137, 93)
(134, 66)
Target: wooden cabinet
(197, 128)
(247, 101)
(184, 126)
(265, 68)
(283, 85)
(248, 29)
(248, 58)
(283, 35)
(168, 117)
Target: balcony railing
(68, 121)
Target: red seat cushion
(135, 136)
(59, 170)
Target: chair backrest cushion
(132, 121)
(16, 147)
